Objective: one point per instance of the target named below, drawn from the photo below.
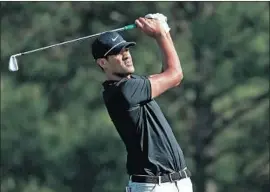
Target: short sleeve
(136, 91)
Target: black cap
(109, 43)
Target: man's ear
(102, 62)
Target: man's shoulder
(124, 87)
(113, 87)
(123, 81)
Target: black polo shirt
(150, 143)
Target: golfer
(155, 161)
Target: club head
(13, 65)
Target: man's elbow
(175, 76)
(178, 78)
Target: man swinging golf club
(155, 161)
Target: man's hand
(162, 18)
(151, 27)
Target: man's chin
(131, 70)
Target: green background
(56, 135)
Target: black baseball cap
(109, 43)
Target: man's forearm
(171, 60)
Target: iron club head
(13, 64)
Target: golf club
(13, 64)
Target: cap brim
(118, 48)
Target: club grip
(132, 26)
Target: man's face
(120, 64)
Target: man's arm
(172, 74)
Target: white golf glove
(162, 18)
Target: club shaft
(54, 45)
(78, 39)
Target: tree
(56, 134)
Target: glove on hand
(162, 18)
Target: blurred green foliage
(56, 135)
